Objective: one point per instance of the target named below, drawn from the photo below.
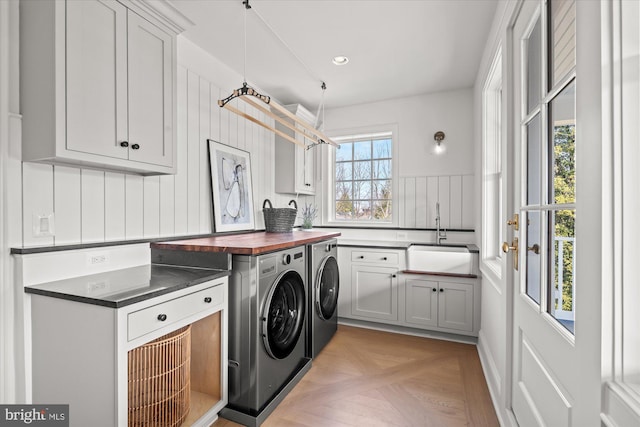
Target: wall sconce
(439, 147)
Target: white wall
(424, 177)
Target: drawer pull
(162, 317)
(361, 257)
(393, 275)
(135, 146)
(441, 290)
(207, 300)
(435, 290)
(384, 259)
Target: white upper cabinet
(295, 165)
(97, 87)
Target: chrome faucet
(440, 234)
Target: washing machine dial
(327, 248)
(286, 259)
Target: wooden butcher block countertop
(247, 244)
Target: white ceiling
(396, 48)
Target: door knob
(506, 248)
(515, 222)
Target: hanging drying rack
(261, 103)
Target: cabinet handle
(207, 299)
(441, 290)
(435, 290)
(135, 146)
(124, 144)
(393, 275)
(361, 257)
(308, 185)
(384, 259)
(162, 317)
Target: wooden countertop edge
(200, 245)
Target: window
(492, 209)
(549, 200)
(363, 178)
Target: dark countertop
(248, 243)
(127, 286)
(401, 244)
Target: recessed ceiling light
(340, 60)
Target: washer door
(283, 315)
(327, 286)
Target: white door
(545, 378)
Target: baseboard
(492, 375)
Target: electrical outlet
(97, 258)
(401, 235)
(43, 225)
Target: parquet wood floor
(372, 378)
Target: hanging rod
(249, 95)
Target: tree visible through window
(363, 179)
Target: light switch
(43, 224)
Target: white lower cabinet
(373, 288)
(438, 304)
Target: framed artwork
(231, 188)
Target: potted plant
(308, 213)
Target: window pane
(382, 189)
(362, 170)
(344, 190)
(382, 209)
(382, 149)
(381, 169)
(562, 39)
(561, 304)
(362, 150)
(362, 190)
(534, 234)
(345, 152)
(362, 209)
(562, 113)
(534, 66)
(534, 163)
(343, 171)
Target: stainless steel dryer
(267, 330)
(324, 284)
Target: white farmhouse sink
(440, 259)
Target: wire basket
(160, 381)
(279, 220)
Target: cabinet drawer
(380, 258)
(149, 319)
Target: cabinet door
(305, 175)
(374, 292)
(455, 306)
(150, 93)
(421, 302)
(96, 79)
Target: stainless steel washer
(324, 285)
(267, 331)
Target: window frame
(328, 176)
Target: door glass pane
(562, 39)
(562, 267)
(533, 273)
(534, 163)
(534, 67)
(562, 113)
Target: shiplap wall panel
(37, 190)
(432, 198)
(180, 180)
(444, 191)
(151, 206)
(167, 205)
(205, 133)
(67, 208)
(455, 197)
(93, 206)
(401, 197)
(134, 206)
(468, 200)
(421, 202)
(193, 153)
(114, 206)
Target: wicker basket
(279, 220)
(160, 380)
